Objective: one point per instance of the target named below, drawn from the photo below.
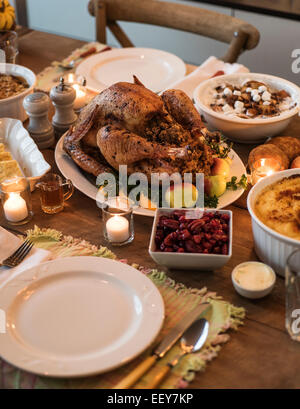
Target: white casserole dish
(245, 130)
(12, 107)
(271, 247)
(189, 261)
(23, 149)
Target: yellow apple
(146, 203)
(184, 195)
(220, 167)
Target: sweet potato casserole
(278, 206)
(253, 99)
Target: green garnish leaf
(211, 201)
(234, 185)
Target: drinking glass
(292, 282)
(52, 193)
(8, 46)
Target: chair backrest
(240, 35)
(21, 12)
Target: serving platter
(78, 316)
(71, 171)
(155, 68)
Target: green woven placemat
(178, 301)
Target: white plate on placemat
(78, 316)
(155, 68)
(71, 171)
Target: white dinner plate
(78, 316)
(155, 68)
(71, 171)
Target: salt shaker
(63, 97)
(37, 106)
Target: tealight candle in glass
(16, 200)
(78, 83)
(263, 167)
(118, 221)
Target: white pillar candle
(117, 228)
(80, 99)
(15, 208)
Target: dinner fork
(18, 256)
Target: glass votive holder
(78, 82)
(8, 46)
(117, 219)
(263, 167)
(16, 200)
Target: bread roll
(288, 144)
(269, 151)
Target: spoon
(191, 341)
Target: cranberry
(197, 238)
(207, 245)
(225, 217)
(192, 247)
(184, 235)
(225, 249)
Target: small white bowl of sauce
(253, 279)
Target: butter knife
(165, 345)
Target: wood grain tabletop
(260, 354)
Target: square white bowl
(189, 261)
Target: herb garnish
(211, 202)
(234, 185)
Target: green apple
(184, 195)
(214, 185)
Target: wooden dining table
(260, 354)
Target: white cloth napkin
(205, 71)
(8, 244)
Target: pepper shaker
(37, 106)
(63, 97)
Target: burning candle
(15, 208)
(262, 168)
(80, 100)
(117, 228)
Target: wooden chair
(239, 34)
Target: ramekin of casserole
(271, 247)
